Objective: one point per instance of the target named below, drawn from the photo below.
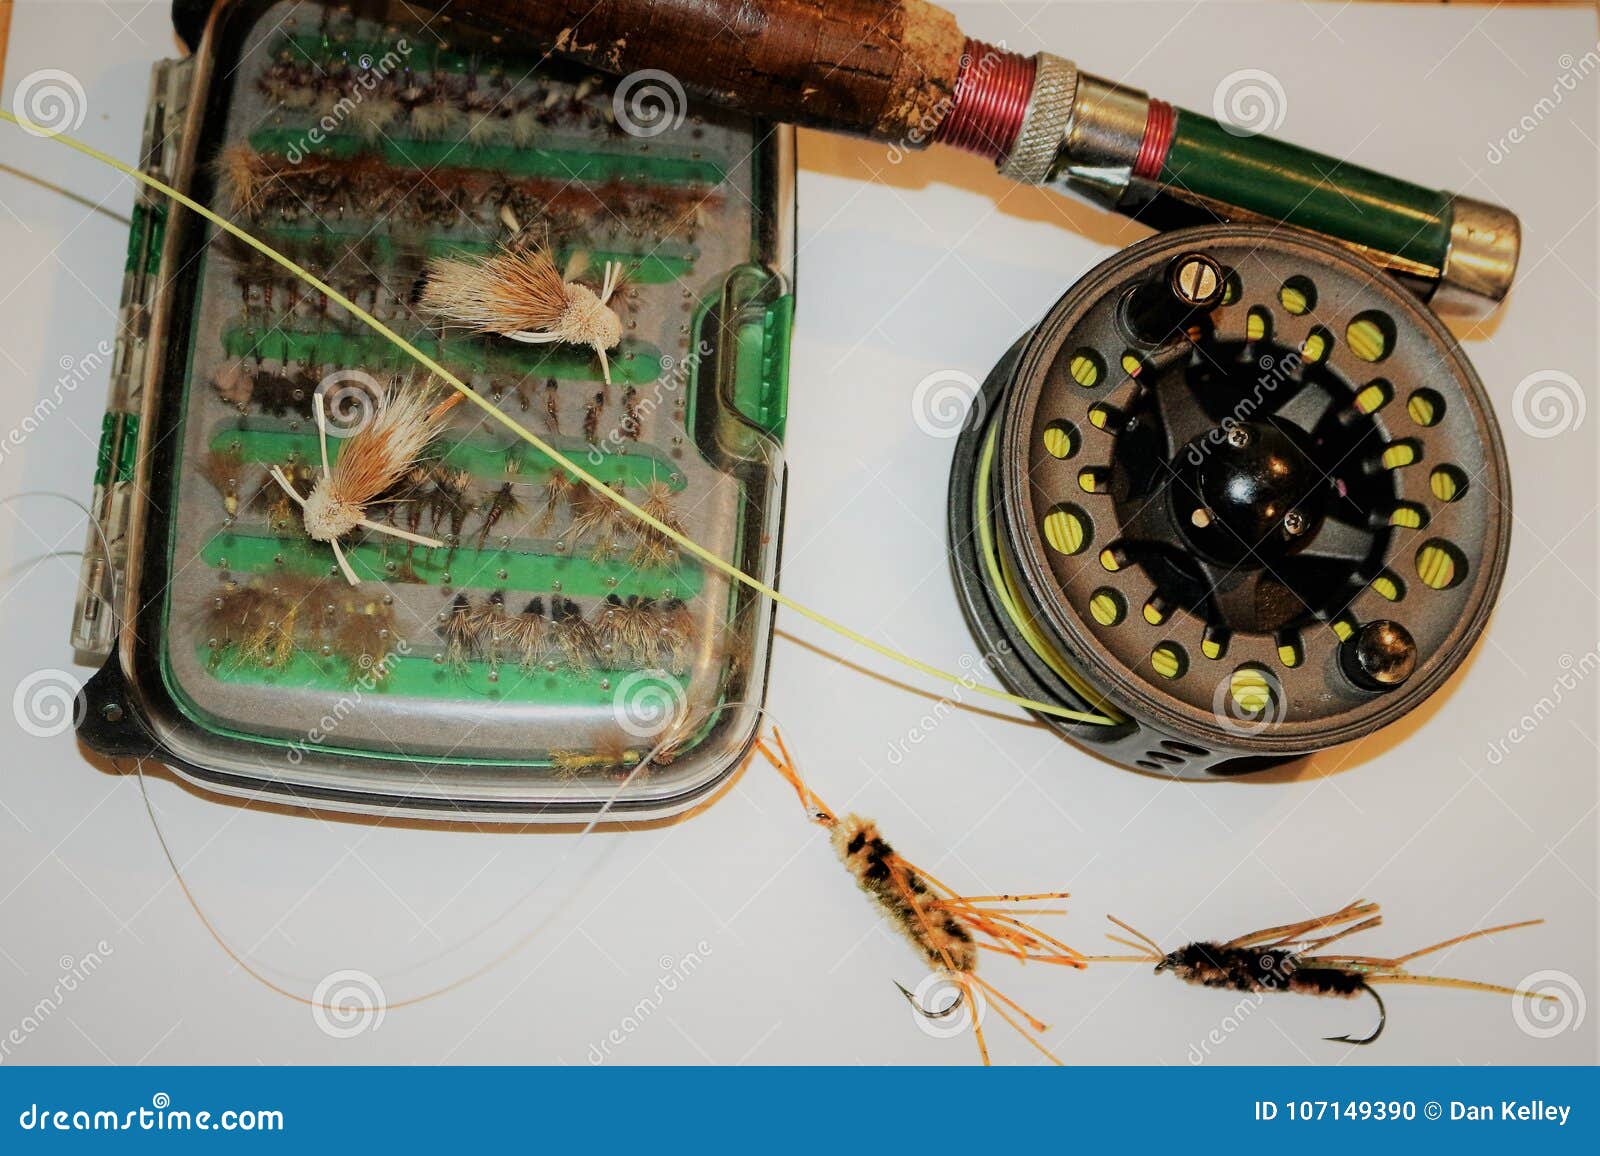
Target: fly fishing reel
(1239, 497)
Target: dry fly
(572, 635)
(363, 636)
(655, 549)
(674, 633)
(242, 617)
(654, 634)
(592, 412)
(270, 497)
(1289, 958)
(222, 468)
(267, 623)
(632, 415)
(526, 633)
(609, 753)
(627, 626)
(462, 638)
(552, 406)
(593, 511)
(371, 463)
(243, 176)
(947, 929)
(502, 503)
(558, 486)
(447, 500)
(519, 293)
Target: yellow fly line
(1005, 589)
(566, 463)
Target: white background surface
(905, 270)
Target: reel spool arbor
(1240, 492)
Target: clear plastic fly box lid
(513, 642)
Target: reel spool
(1239, 494)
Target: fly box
(525, 664)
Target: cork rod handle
(876, 68)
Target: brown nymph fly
(1290, 958)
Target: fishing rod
(903, 71)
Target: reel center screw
(1260, 492)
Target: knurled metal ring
(1055, 89)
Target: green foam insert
(419, 676)
(467, 568)
(373, 350)
(640, 268)
(587, 166)
(479, 458)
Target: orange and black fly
(949, 930)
